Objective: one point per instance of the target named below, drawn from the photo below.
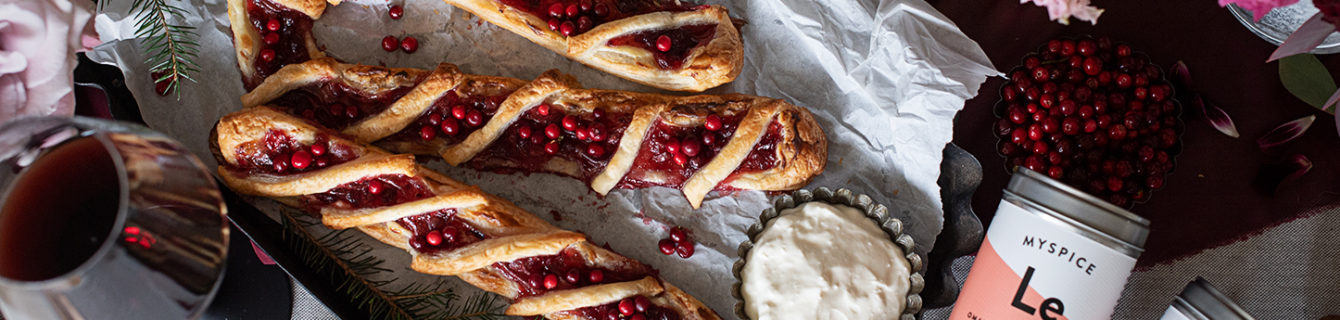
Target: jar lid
(1201, 300)
(1079, 207)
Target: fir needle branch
(354, 283)
(171, 48)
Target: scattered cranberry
(573, 276)
(680, 159)
(554, 24)
(542, 109)
(428, 132)
(567, 28)
(585, 24)
(667, 246)
(595, 150)
(582, 134)
(677, 234)
(272, 25)
(318, 149)
(523, 132)
(556, 10)
(569, 123)
(596, 276)
(396, 12)
(459, 112)
(641, 303)
(573, 10)
(663, 43)
(601, 10)
(271, 38)
(390, 43)
(474, 118)
(410, 44)
(685, 250)
(689, 147)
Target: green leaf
(1306, 78)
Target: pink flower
(1259, 8)
(1062, 10)
(38, 39)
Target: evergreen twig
(171, 48)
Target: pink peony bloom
(38, 39)
(1062, 10)
(1259, 8)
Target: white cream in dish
(820, 261)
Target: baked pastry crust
(800, 150)
(707, 66)
(511, 232)
(247, 40)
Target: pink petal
(1217, 117)
(1181, 76)
(1272, 175)
(1285, 132)
(1306, 38)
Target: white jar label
(1035, 267)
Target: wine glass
(105, 220)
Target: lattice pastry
(608, 139)
(448, 227)
(666, 44)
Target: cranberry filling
(283, 33)
(671, 154)
(545, 132)
(371, 192)
(670, 47)
(574, 17)
(763, 157)
(566, 270)
(337, 105)
(280, 154)
(637, 307)
(452, 118)
(439, 231)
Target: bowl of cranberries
(1093, 114)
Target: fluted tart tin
(878, 213)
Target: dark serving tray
(961, 173)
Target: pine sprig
(353, 262)
(171, 47)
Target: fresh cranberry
(567, 28)
(396, 11)
(301, 159)
(597, 132)
(663, 43)
(573, 10)
(712, 123)
(641, 303)
(450, 126)
(272, 24)
(667, 246)
(410, 44)
(318, 149)
(596, 276)
(601, 10)
(550, 281)
(551, 147)
(542, 109)
(390, 43)
(680, 159)
(582, 134)
(584, 24)
(585, 5)
(523, 132)
(689, 147)
(554, 23)
(709, 140)
(595, 150)
(573, 276)
(677, 234)
(672, 146)
(685, 250)
(267, 55)
(434, 238)
(435, 119)
(474, 118)
(428, 132)
(569, 123)
(375, 187)
(459, 112)
(551, 131)
(627, 307)
(556, 10)
(271, 38)
(1123, 50)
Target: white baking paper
(883, 78)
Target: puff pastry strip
(606, 138)
(449, 228)
(664, 44)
